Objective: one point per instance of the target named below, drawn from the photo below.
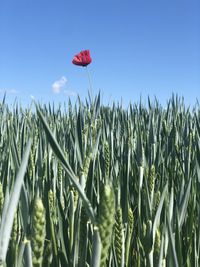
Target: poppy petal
(82, 59)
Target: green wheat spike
(14, 237)
(156, 200)
(75, 193)
(85, 130)
(85, 134)
(94, 132)
(157, 247)
(38, 235)
(14, 232)
(106, 221)
(118, 240)
(99, 124)
(107, 159)
(52, 205)
(129, 236)
(151, 179)
(44, 166)
(130, 219)
(86, 164)
(59, 174)
(32, 163)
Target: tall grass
(92, 185)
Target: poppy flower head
(82, 59)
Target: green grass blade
(184, 204)
(157, 217)
(96, 253)
(59, 153)
(8, 215)
(172, 243)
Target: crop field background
(95, 185)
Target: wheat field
(96, 185)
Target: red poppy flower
(82, 59)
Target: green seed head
(157, 242)
(75, 192)
(106, 220)
(118, 235)
(38, 236)
(157, 247)
(130, 219)
(60, 174)
(85, 133)
(32, 162)
(94, 132)
(99, 124)
(52, 206)
(85, 130)
(107, 159)
(86, 164)
(151, 179)
(14, 233)
(157, 200)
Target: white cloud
(8, 91)
(70, 93)
(59, 84)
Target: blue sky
(139, 48)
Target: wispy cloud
(8, 91)
(59, 84)
(70, 93)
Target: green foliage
(60, 191)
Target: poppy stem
(90, 83)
